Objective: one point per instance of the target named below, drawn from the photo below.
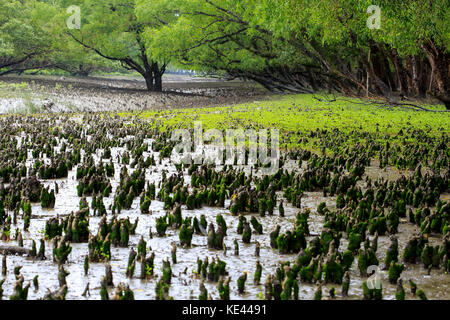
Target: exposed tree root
(12, 250)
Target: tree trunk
(439, 65)
(13, 250)
(409, 75)
(438, 60)
(415, 76)
(148, 76)
(157, 76)
(400, 72)
(423, 77)
(153, 78)
(158, 82)
(313, 81)
(380, 65)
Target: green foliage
(167, 272)
(354, 241)
(253, 36)
(241, 283)
(145, 205)
(257, 226)
(395, 270)
(185, 234)
(161, 226)
(421, 294)
(347, 259)
(61, 251)
(221, 222)
(333, 272)
(26, 31)
(372, 294)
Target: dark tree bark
(381, 66)
(424, 75)
(148, 76)
(158, 72)
(149, 70)
(439, 62)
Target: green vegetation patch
(303, 114)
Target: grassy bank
(304, 113)
(296, 115)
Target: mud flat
(32, 94)
(71, 154)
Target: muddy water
(185, 284)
